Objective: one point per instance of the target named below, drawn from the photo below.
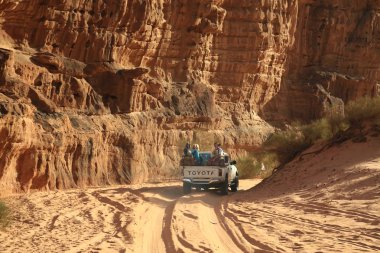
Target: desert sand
(322, 202)
(139, 218)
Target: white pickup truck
(210, 173)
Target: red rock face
(335, 56)
(103, 92)
(240, 52)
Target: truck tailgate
(200, 171)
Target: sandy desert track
(159, 218)
(326, 203)
(145, 218)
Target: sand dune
(326, 202)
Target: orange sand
(327, 202)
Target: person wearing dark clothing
(186, 150)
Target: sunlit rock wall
(104, 92)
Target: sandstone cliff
(335, 59)
(103, 92)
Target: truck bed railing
(190, 161)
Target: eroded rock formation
(335, 59)
(103, 92)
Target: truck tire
(186, 188)
(235, 184)
(224, 189)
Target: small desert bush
(317, 130)
(248, 167)
(362, 109)
(4, 215)
(270, 160)
(287, 144)
(324, 129)
(259, 165)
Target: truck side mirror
(233, 162)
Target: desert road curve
(140, 218)
(181, 223)
(154, 218)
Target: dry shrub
(248, 167)
(258, 165)
(287, 144)
(324, 129)
(282, 146)
(317, 130)
(362, 109)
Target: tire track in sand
(187, 223)
(192, 223)
(195, 226)
(146, 218)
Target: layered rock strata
(104, 92)
(335, 59)
(61, 128)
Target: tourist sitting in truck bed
(187, 150)
(195, 153)
(218, 154)
(187, 158)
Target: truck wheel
(186, 188)
(224, 188)
(235, 184)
